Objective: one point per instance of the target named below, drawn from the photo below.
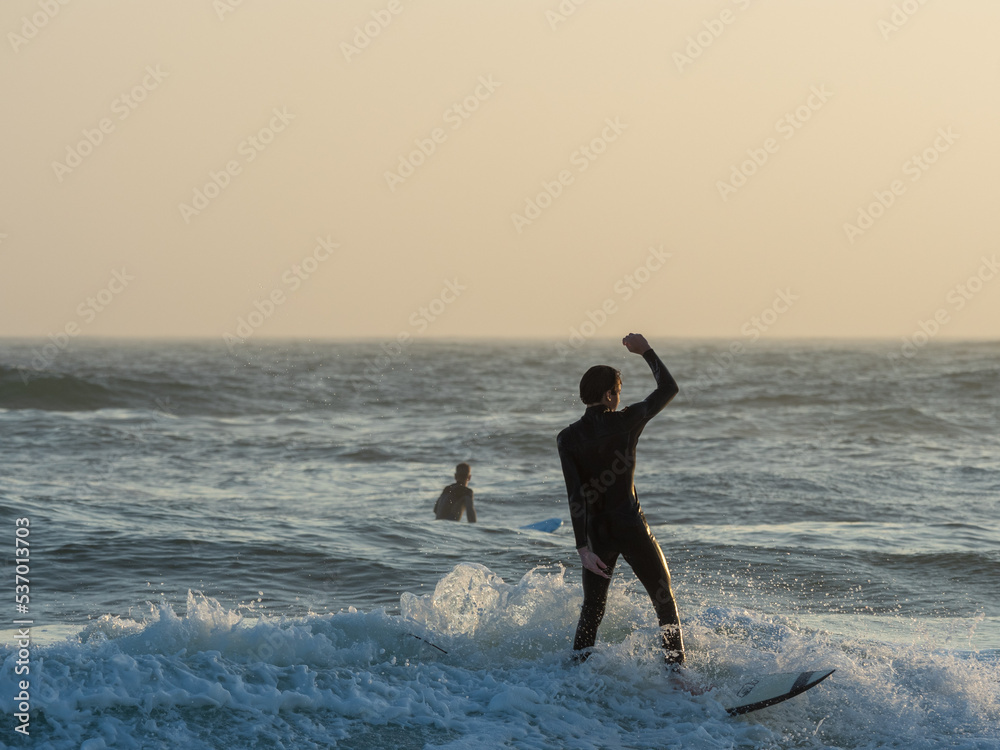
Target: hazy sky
(499, 168)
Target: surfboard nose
(767, 690)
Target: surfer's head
(601, 384)
(463, 473)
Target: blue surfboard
(548, 525)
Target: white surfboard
(766, 690)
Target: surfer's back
(454, 499)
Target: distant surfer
(598, 462)
(456, 497)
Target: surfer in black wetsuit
(598, 462)
(456, 497)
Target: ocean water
(235, 549)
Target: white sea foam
(214, 678)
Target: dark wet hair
(597, 381)
(463, 470)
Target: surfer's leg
(647, 562)
(595, 597)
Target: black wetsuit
(454, 498)
(598, 461)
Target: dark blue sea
(234, 548)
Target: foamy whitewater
(235, 549)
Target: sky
(744, 169)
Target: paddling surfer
(597, 453)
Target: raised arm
(666, 386)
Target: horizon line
(381, 338)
